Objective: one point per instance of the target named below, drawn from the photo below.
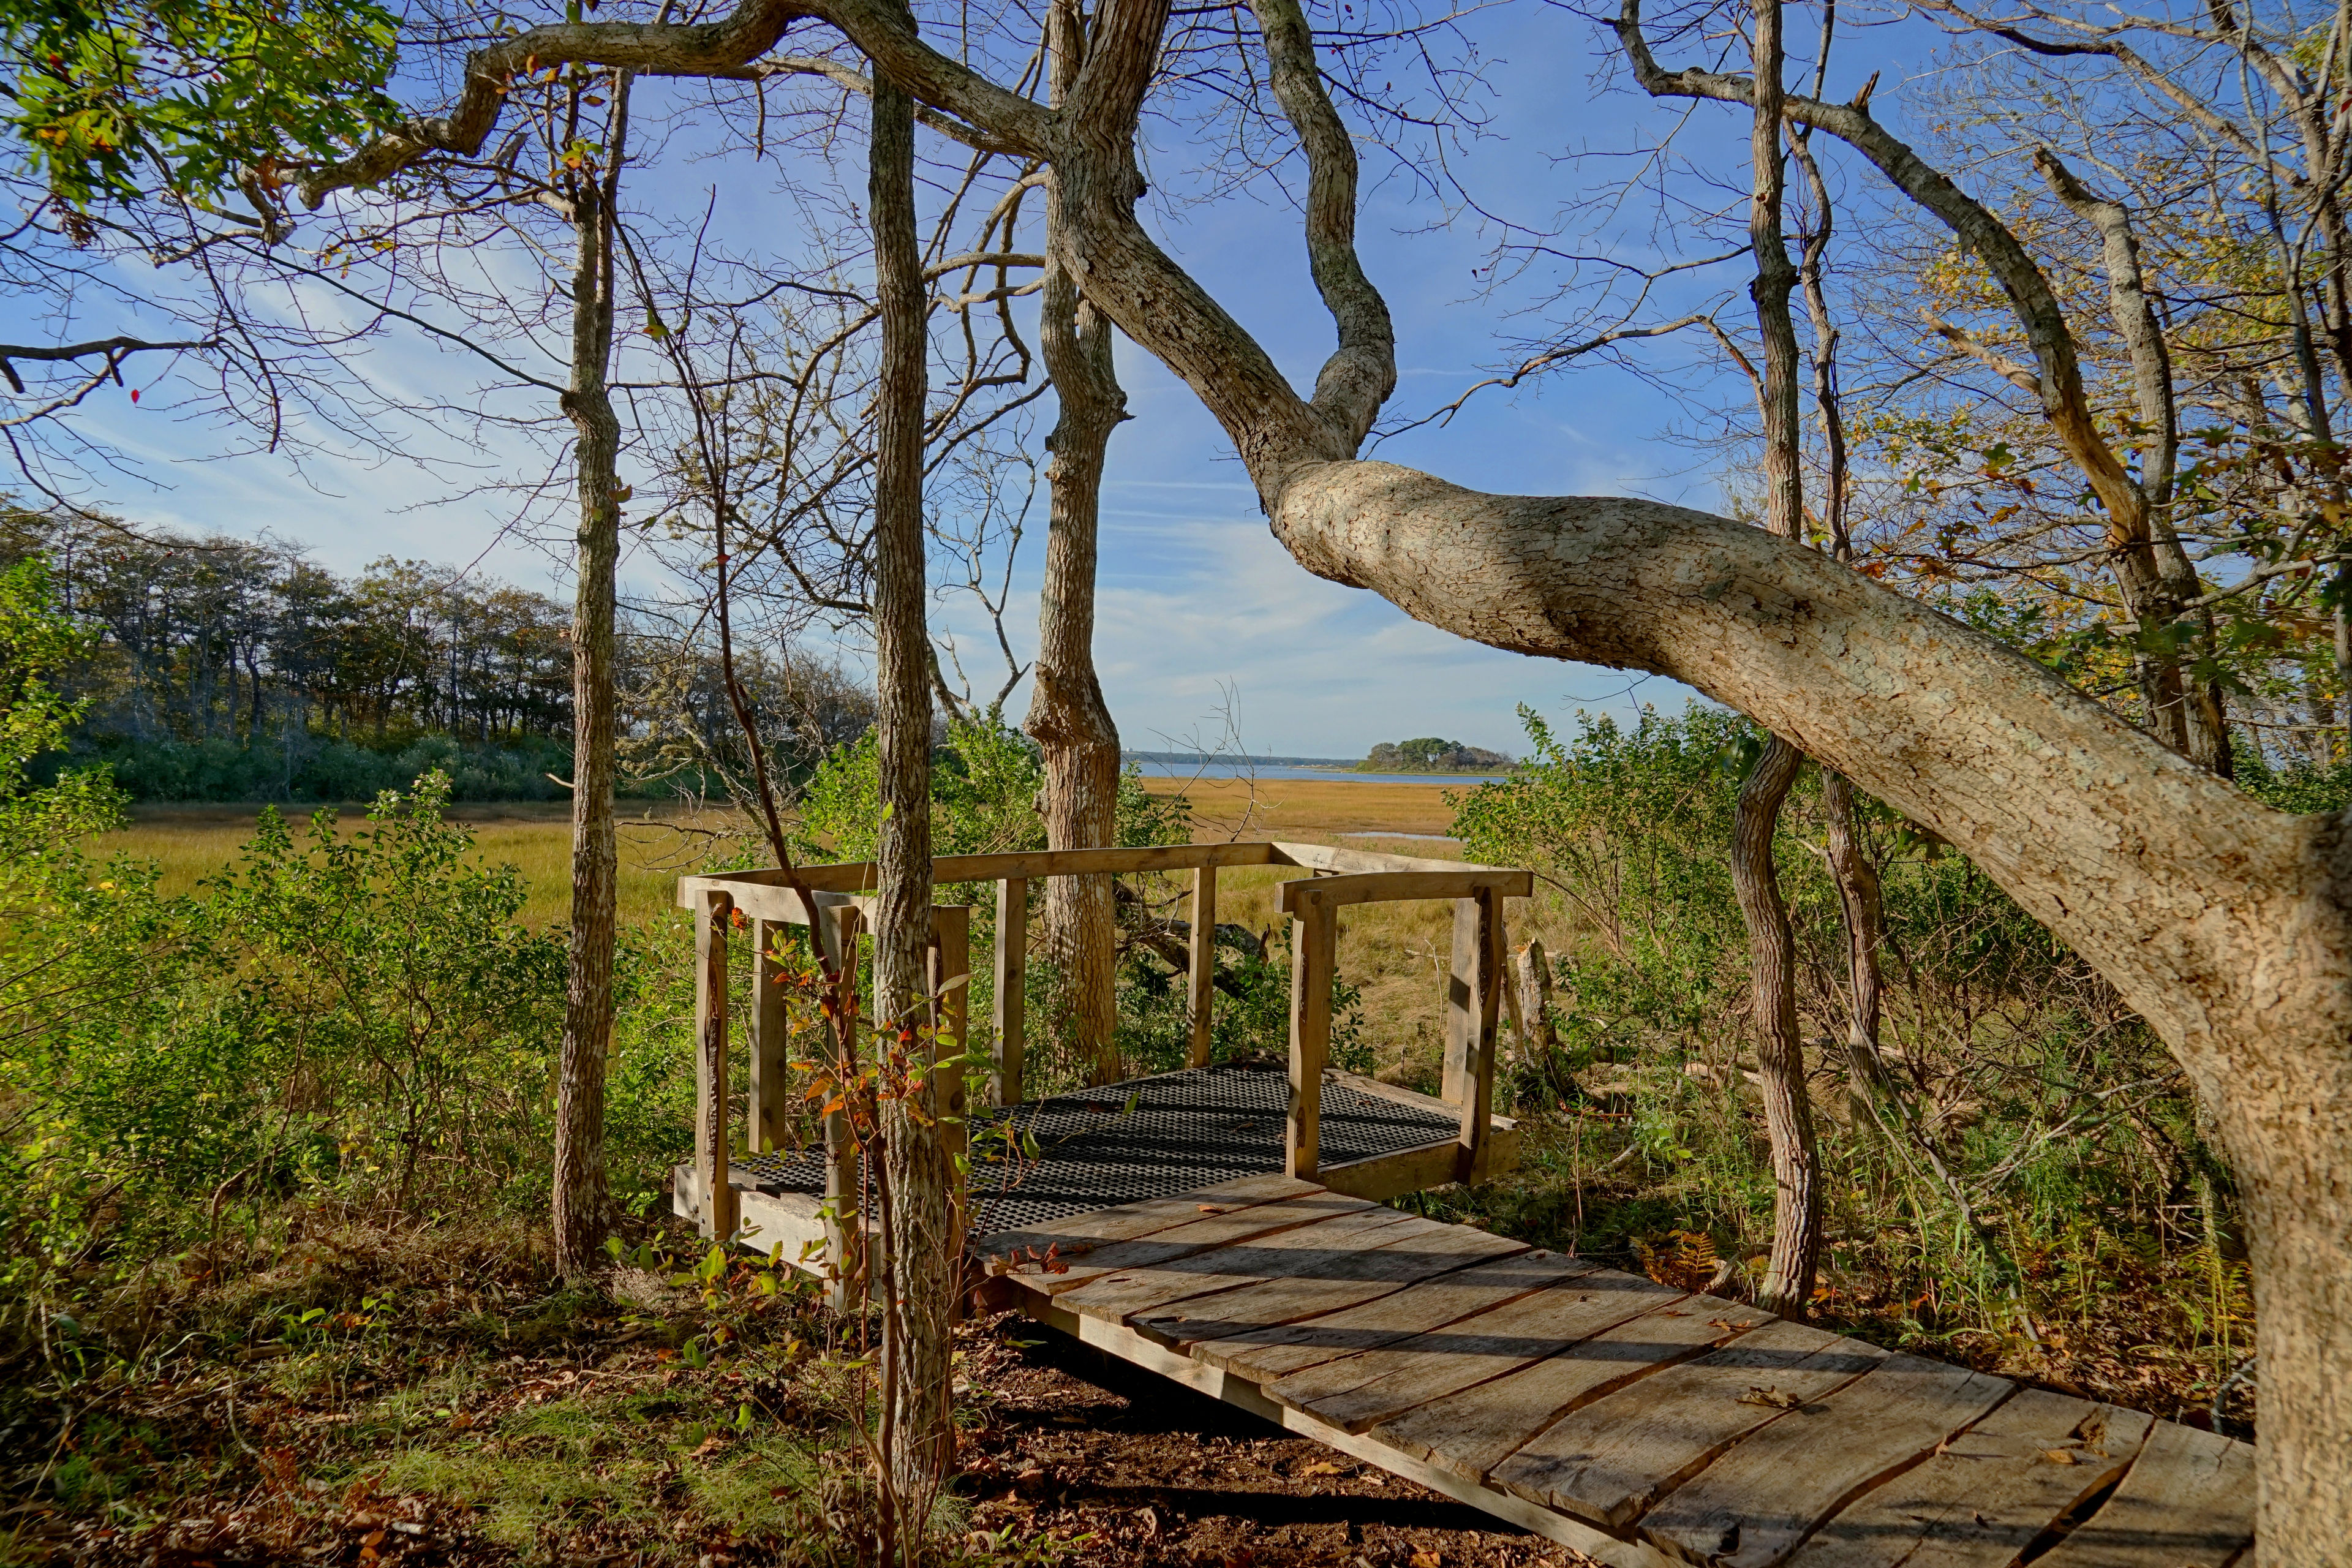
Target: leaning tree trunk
(582, 1196)
(1068, 717)
(1771, 946)
(922, 1268)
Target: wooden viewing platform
(1219, 1225)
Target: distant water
(1278, 771)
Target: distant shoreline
(1338, 765)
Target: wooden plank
(1990, 1493)
(1613, 1455)
(1327, 1248)
(1201, 1232)
(1399, 1094)
(1384, 1320)
(1220, 1329)
(1456, 881)
(1203, 976)
(1380, 1177)
(761, 900)
(861, 877)
(1118, 1340)
(1129, 1221)
(768, 1089)
(1334, 859)
(1356, 1393)
(2187, 1501)
(1313, 936)
(1472, 1430)
(1752, 1507)
(711, 1135)
(1011, 1001)
(1478, 1036)
(1460, 1002)
(788, 1227)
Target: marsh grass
(188, 844)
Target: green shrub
(2032, 1106)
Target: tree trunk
(1771, 946)
(1068, 717)
(582, 1197)
(923, 1269)
(1772, 979)
(1865, 910)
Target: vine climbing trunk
(1861, 901)
(1773, 973)
(1771, 946)
(918, 1306)
(582, 1194)
(1068, 716)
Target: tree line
(221, 667)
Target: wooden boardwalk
(1639, 1423)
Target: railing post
(845, 1234)
(719, 1217)
(1486, 976)
(1203, 976)
(1012, 1002)
(1313, 933)
(1460, 999)
(767, 1095)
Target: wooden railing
(845, 896)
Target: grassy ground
(1280, 808)
(192, 842)
(363, 1395)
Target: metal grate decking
(1147, 1138)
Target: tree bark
(582, 1194)
(1787, 1283)
(1068, 716)
(923, 1268)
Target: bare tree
(583, 1202)
(1068, 716)
(918, 1434)
(1787, 1283)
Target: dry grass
(189, 843)
(1396, 953)
(1291, 808)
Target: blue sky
(1197, 604)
